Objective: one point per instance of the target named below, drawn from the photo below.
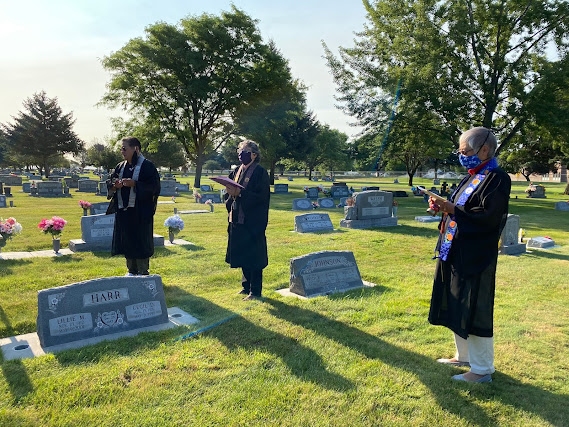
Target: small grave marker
(309, 223)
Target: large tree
(275, 109)
(41, 134)
(189, 77)
(469, 62)
(106, 155)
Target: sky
(57, 46)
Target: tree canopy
(189, 77)
(468, 63)
(41, 134)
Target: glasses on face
(463, 152)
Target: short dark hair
(132, 142)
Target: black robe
(247, 244)
(464, 284)
(134, 227)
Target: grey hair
(251, 145)
(475, 138)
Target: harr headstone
(509, 240)
(312, 222)
(301, 205)
(322, 273)
(99, 307)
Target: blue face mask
(469, 162)
(245, 157)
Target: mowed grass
(365, 357)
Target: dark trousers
(138, 266)
(252, 281)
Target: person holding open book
(248, 209)
(465, 277)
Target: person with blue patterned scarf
(465, 277)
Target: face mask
(245, 157)
(469, 162)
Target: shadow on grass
(450, 395)
(14, 371)
(5, 264)
(233, 331)
(545, 254)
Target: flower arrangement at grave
(305, 189)
(84, 204)
(174, 199)
(197, 195)
(350, 201)
(395, 203)
(8, 229)
(175, 224)
(315, 205)
(53, 226)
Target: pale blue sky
(56, 46)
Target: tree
(105, 156)
(190, 78)
(329, 144)
(472, 62)
(274, 109)
(41, 134)
(532, 151)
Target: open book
(223, 180)
(430, 193)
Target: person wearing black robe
(248, 215)
(464, 283)
(134, 188)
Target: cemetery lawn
(365, 357)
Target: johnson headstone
(322, 273)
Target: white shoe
(129, 275)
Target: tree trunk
(309, 174)
(436, 168)
(272, 172)
(199, 166)
(566, 192)
(411, 180)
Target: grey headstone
(309, 223)
(11, 179)
(337, 191)
(26, 187)
(325, 272)
(326, 203)
(3, 203)
(50, 189)
(87, 186)
(374, 204)
(183, 187)
(562, 206)
(343, 201)
(312, 193)
(436, 182)
(301, 205)
(509, 240)
(99, 307)
(539, 192)
(168, 188)
(102, 189)
(97, 234)
(427, 218)
(214, 197)
(541, 243)
(98, 208)
(205, 187)
(281, 189)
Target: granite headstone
(99, 307)
(509, 240)
(301, 205)
(49, 189)
(371, 209)
(312, 222)
(281, 189)
(541, 242)
(168, 188)
(312, 193)
(326, 203)
(3, 203)
(87, 186)
(322, 273)
(562, 206)
(214, 197)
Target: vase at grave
(84, 211)
(171, 236)
(56, 245)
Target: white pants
(479, 351)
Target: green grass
(366, 357)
